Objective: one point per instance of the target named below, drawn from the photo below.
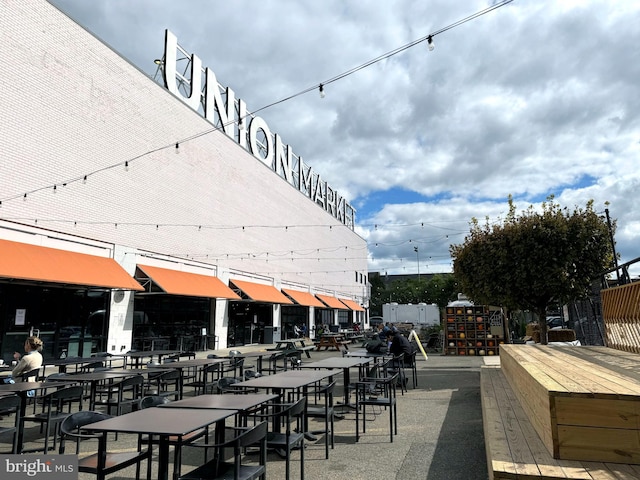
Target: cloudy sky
(531, 99)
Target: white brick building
(88, 164)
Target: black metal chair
(102, 462)
(206, 379)
(411, 363)
(10, 405)
(397, 365)
(152, 401)
(124, 393)
(325, 411)
(249, 374)
(370, 373)
(165, 384)
(235, 365)
(287, 414)
(377, 392)
(218, 469)
(56, 406)
(90, 367)
(34, 375)
(224, 385)
(272, 363)
(293, 359)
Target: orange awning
(189, 284)
(352, 305)
(303, 298)
(332, 302)
(261, 293)
(22, 261)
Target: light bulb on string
(321, 89)
(84, 180)
(430, 43)
(177, 148)
(126, 166)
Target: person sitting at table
(399, 344)
(382, 333)
(31, 360)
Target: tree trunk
(542, 319)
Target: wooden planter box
(584, 402)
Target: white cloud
(531, 99)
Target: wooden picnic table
(332, 340)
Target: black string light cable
(200, 226)
(176, 145)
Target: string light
(126, 166)
(428, 38)
(430, 44)
(177, 148)
(84, 180)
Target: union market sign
(197, 87)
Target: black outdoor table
(63, 363)
(21, 388)
(345, 363)
(95, 378)
(258, 355)
(294, 380)
(139, 355)
(243, 403)
(365, 354)
(166, 423)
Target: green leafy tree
(534, 259)
(378, 295)
(440, 289)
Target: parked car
(556, 322)
(375, 321)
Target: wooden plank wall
(621, 315)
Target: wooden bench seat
(514, 449)
(583, 402)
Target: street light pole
(415, 249)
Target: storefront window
(292, 316)
(70, 322)
(163, 322)
(250, 323)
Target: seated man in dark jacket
(400, 344)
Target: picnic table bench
(332, 341)
(298, 345)
(562, 412)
